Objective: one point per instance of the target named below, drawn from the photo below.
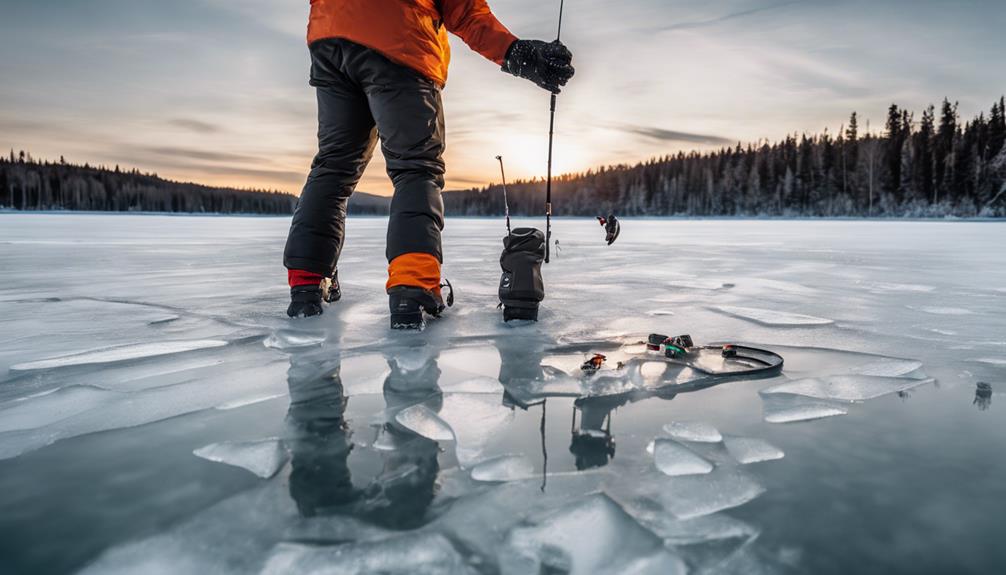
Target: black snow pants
(363, 95)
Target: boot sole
(410, 321)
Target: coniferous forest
(27, 184)
(927, 165)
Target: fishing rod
(551, 137)
(506, 204)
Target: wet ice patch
(846, 387)
(771, 317)
(424, 421)
(751, 450)
(695, 431)
(238, 403)
(119, 354)
(503, 468)
(592, 536)
(412, 554)
(287, 339)
(674, 459)
(263, 458)
(784, 408)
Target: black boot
(408, 303)
(305, 301)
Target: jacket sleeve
(473, 22)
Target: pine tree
(924, 155)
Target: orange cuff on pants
(415, 270)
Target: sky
(215, 91)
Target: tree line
(932, 165)
(29, 184)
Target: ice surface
(425, 422)
(846, 387)
(457, 370)
(593, 536)
(751, 449)
(674, 459)
(263, 458)
(413, 554)
(787, 408)
(503, 468)
(696, 431)
(773, 318)
(43, 409)
(120, 353)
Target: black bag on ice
(521, 287)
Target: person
(378, 67)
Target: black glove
(544, 63)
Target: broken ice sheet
(120, 353)
(593, 535)
(42, 409)
(474, 419)
(689, 496)
(751, 450)
(787, 408)
(695, 431)
(772, 317)
(263, 458)
(503, 468)
(846, 387)
(888, 367)
(674, 459)
(411, 554)
(424, 421)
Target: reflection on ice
(503, 468)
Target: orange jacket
(412, 32)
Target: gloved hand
(544, 63)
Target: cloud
(672, 136)
(726, 17)
(201, 155)
(197, 126)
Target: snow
(463, 431)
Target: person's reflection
(983, 396)
(320, 442)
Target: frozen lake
(159, 413)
